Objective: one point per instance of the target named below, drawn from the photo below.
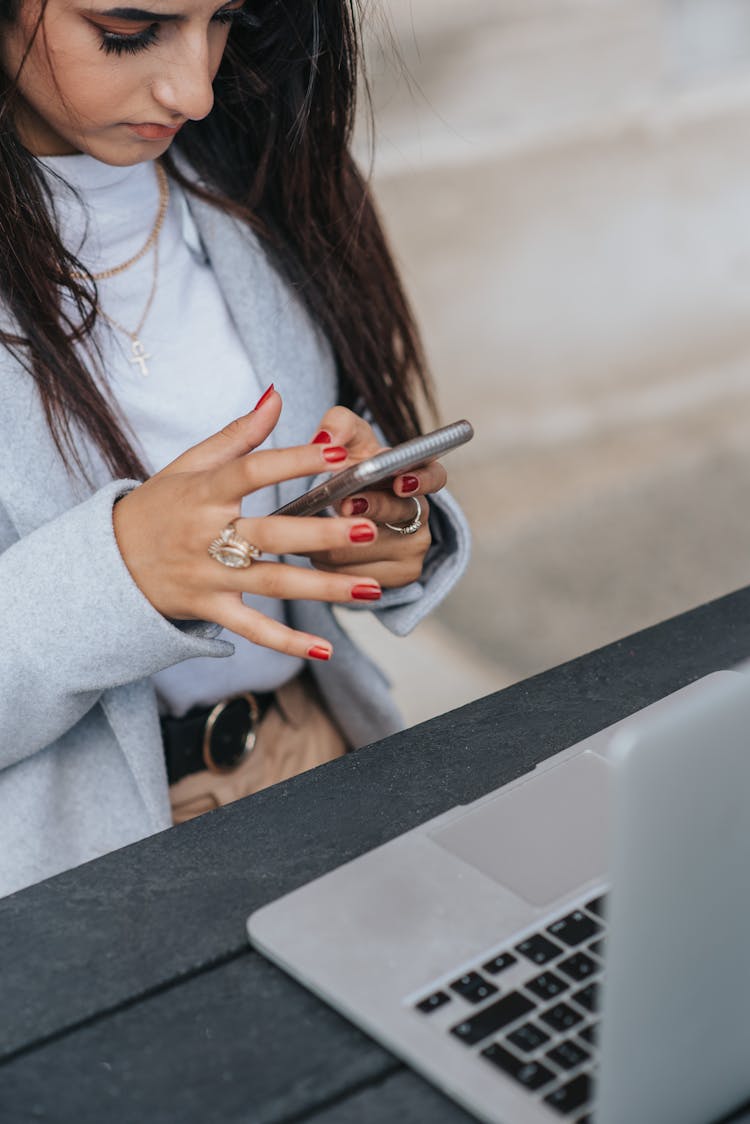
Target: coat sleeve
(401, 609)
(74, 624)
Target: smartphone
(392, 462)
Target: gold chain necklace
(161, 176)
(137, 350)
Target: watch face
(228, 741)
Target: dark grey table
(128, 991)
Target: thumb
(236, 438)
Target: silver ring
(408, 528)
(232, 550)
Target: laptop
(574, 945)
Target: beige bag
(295, 734)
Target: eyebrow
(138, 15)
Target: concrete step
(567, 189)
(556, 280)
(491, 76)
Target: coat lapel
(284, 348)
(37, 488)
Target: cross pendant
(139, 355)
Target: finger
(237, 438)
(287, 583)
(340, 426)
(288, 534)
(268, 633)
(247, 474)
(391, 574)
(390, 547)
(384, 507)
(421, 481)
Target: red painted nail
(409, 483)
(318, 652)
(359, 505)
(335, 453)
(366, 593)
(361, 532)
(322, 438)
(266, 394)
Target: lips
(151, 131)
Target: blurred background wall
(566, 186)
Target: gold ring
(232, 550)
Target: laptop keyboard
(541, 1029)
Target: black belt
(216, 738)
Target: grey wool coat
(81, 763)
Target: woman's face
(115, 82)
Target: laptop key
(473, 988)
(597, 947)
(597, 905)
(532, 1075)
(539, 949)
(568, 1054)
(432, 1002)
(528, 1037)
(579, 966)
(493, 1018)
(547, 986)
(589, 1033)
(587, 997)
(575, 928)
(561, 1017)
(499, 963)
(571, 1096)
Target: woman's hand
(164, 527)
(393, 559)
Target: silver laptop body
(474, 945)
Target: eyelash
(114, 43)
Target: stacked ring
(232, 550)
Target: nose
(184, 86)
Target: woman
(181, 224)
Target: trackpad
(544, 838)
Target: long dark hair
(275, 152)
